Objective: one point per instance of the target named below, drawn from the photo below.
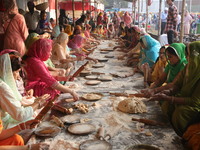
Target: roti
(92, 96)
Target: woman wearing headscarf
(100, 19)
(69, 30)
(12, 112)
(186, 22)
(61, 53)
(177, 61)
(78, 40)
(38, 75)
(149, 50)
(15, 29)
(181, 102)
(127, 19)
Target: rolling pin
(149, 122)
(61, 109)
(100, 133)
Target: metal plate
(95, 145)
(47, 131)
(81, 128)
(142, 147)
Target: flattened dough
(132, 105)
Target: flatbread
(91, 77)
(105, 78)
(132, 105)
(102, 59)
(98, 65)
(92, 96)
(93, 82)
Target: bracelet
(24, 126)
(19, 127)
(172, 99)
(29, 147)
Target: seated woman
(77, 43)
(10, 140)
(149, 54)
(12, 111)
(53, 71)
(38, 75)
(158, 68)
(175, 54)
(61, 52)
(69, 30)
(181, 102)
(100, 32)
(27, 98)
(88, 35)
(121, 30)
(111, 31)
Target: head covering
(40, 49)
(192, 70)
(62, 37)
(31, 39)
(6, 74)
(166, 8)
(179, 49)
(136, 28)
(68, 30)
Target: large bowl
(42, 6)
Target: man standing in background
(164, 20)
(171, 24)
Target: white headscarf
(6, 74)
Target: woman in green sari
(181, 103)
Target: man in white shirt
(32, 17)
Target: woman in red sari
(38, 76)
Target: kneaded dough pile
(132, 105)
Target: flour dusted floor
(124, 132)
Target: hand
(28, 124)
(166, 92)
(29, 93)
(159, 97)
(148, 92)
(42, 100)
(75, 96)
(39, 146)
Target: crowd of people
(38, 55)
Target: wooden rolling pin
(100, 133)
(149, 122)
(61, 109)
(78, 71)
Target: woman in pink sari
(38, 76)
(127, 19)
(15, 29)
(77, 41)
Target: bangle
(29, 147)
(24, 126)
(19, 127)
(172, 99)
